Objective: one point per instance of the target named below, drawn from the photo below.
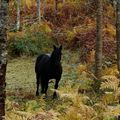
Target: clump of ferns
(111, 89)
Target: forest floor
(22, 104)
(21, 85)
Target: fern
(110, 82)
(112, 112)
(117, 93)
(110, 86)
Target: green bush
(31, 44)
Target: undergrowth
(76, 100)
(30, 44)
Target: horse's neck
(51, 57)
(53, 62)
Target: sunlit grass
(21, 86)
(21, 75)
(22, 104)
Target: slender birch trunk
(38, 11)
(118, 39)
(118, 34)
(56, 5)
(63, 1)
(99, 44)
(3, 55)
(18, 15)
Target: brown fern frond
(110, 82)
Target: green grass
(21, 75)
(21, 102)
(21, 86)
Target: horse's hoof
(43, 96)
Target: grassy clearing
(22, 104)
(20, 75)
(21, 86)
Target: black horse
(48, 67)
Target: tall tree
(3, 54)
(56, 5)
(18, 15)
(38, 11)
(113, 3)
(63, 1)
(98, 53)
(118, 34)
(118, 39)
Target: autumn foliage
(72, 24)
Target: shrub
(86, 43)
(43, 27)
(16, 47)
(56, 18)
(31, 44)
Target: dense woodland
(88, 30)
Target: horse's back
(40, 62)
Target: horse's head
(56, 54)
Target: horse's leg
(42, 88)
(42, 85)
(46, 86)
(56, 87)
(37, 91)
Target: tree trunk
(98, 53)
(118, 39)
(113, 3)
(18, 15)
(56, 5)
(118, 34)
(38, 11)
(63, 1)
(3, 55)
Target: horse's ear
(60, 47)
(54, 47)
